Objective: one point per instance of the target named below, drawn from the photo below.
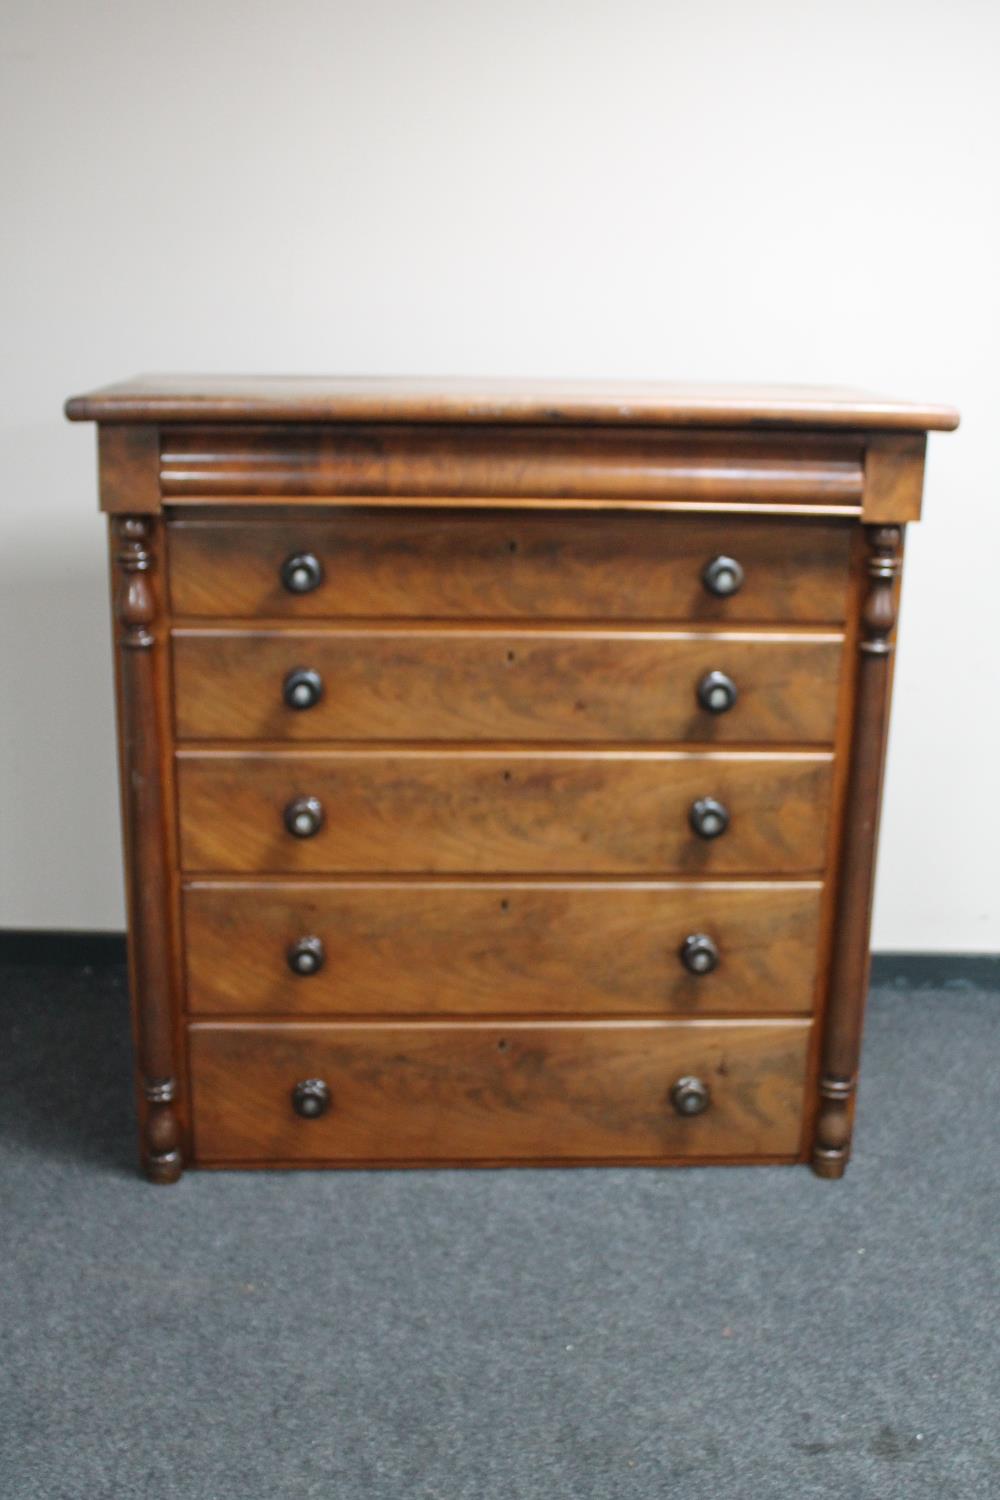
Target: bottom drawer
(486, 1092)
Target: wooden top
(239, 398)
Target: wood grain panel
(330, 398)
(489, 684)
(529, 948)
(894, 476)
(487, 461)
(515, 1091)
(480, 565)
(128, 460)
(624, 812)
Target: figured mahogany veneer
(468, 565)
(498, 1092)
(603, 467)
(499, 684)
(503, 811)
(494, 931)
(525, 948)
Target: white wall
(778, 191)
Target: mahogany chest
(500, 764)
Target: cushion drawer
(491, 1092)
(528, 948)
(469, 565)
(503, 684)
(498, 811)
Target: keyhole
(506, 776)
(511, 656)
(501, 1046)
(505, 904)
(512, 546)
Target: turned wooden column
(136, 542)
(851, 956)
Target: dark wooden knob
(304, 817)
(301, 573)
(709, 818)
(717, 692)
(699, 954)
(311, 1098)
(302, 688)
(690, 1096)
(306, 956)
(722, 576)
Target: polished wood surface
(510, 622)
(240, 398)
(128, 460)
(605, 466)
(841, 1046)
(501, 684)
(510, 1091)
(136, 549)
(470, 565)
(894, 476)
(520, 948)
(503, 811)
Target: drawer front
(545, 949)
(491, 684)
(498, 812)
(484, 1092)
(467, 565)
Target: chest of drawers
(500, 764)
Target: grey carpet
(408, 1336)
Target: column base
(165, 1168)
(829, 1164)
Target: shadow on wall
(65, 1066)
(60, 854)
